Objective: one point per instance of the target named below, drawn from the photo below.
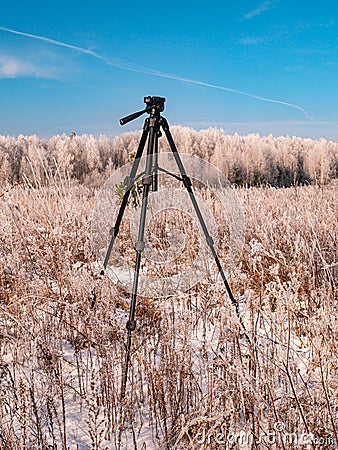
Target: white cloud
(9, 67)
(266, 6)
(14, 67)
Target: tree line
(245, 160)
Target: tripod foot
(131, 325)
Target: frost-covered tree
(245, 160)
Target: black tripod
(151, 131)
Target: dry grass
(194, 377)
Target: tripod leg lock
(186, 181)
(139, 246)
(210, 241)
(131, 325)
(113, 231)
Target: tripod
(152, 132)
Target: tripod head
(155, 102)
(154, 105)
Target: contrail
(223, 88)
(51, 41)
(156, 73)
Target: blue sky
(81, 66)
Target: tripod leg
(209, 240)
(130, 181)
(139, 247)
(155, 165)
